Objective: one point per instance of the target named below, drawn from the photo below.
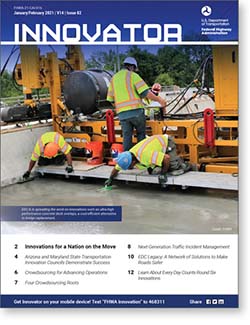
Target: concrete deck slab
(146, 209)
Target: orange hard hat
(156, 87)
(51, 149)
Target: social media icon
(221, 301)
(208, 301)
(214, 301)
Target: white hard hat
(130, 60)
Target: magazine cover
(119, 154)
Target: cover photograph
(119, 154)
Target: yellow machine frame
(188, 134)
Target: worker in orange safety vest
(50, 149)
(126, 91)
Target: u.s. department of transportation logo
(206, 11)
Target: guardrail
(19, 100)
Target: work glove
(150, 170)
(177, 172)
(26, 175)
(186, 166)
(163, 178)
(69, 169)
(108, 182)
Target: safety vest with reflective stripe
(149, 152)
(125, 89)
(50, 137)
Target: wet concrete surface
(146, 208)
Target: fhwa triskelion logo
(206, 11)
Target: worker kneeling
(50, 149)
(157, 150)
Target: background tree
(182, 62)
(164, 79)
(10, 89)
(105, 60)
(147, 63)
(178, 64)
(7, 86)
